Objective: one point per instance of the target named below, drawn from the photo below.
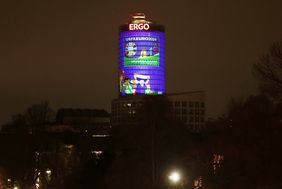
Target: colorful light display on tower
(141, 57)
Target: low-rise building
(186, 107)
(94, 121)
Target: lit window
(217, 162)
(198, 182)
(97, 154)
(99, 136)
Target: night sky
(67, 51)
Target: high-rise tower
(141, 57)
(142, 75)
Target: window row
(191, 111)
(191, 104)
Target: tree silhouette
(252, 144)
(38, 115)
(268, 70)
(34, 119)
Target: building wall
(188, 108)
(85, 120)
(141, 57)
(126, 110)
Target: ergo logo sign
(139, 26)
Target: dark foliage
(269, 71)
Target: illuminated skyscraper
(142, 75)
(141, 57)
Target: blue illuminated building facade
(142, 75)
(141, 57)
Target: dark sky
(66, 51)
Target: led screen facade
(142, 62)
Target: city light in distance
(48, 171)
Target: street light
(174, 177)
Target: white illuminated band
(140, 26)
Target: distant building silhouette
(94, 121)
(187, 107)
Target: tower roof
(138, 18)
